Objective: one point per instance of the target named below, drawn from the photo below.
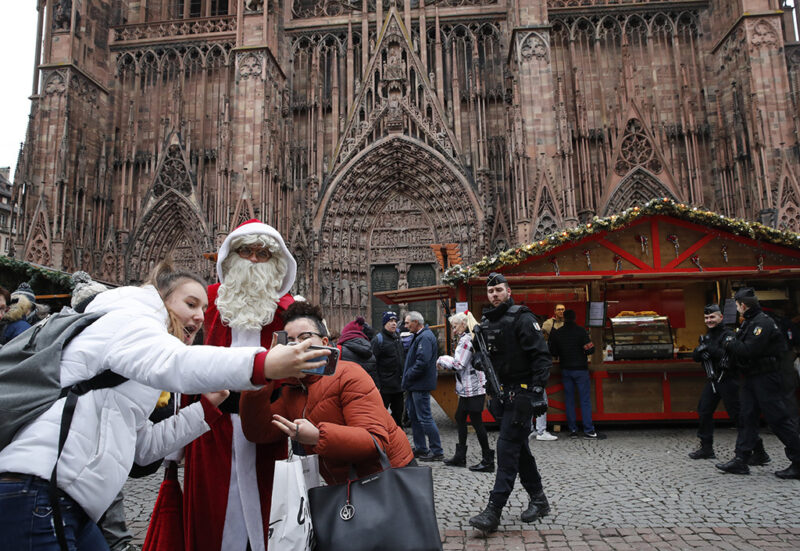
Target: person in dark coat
(389, 357)
(419, 379)
(356, 348)
(757, 349)
(571, 344)
(21, 313)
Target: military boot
(737, 465)
(460, 457)
(489, 519)
(487, 463)
(538, 507)
(705, 451)
(792, 471)
(759, 456)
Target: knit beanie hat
(388, 316)
(84, 290)
(353, 330)
(25, 290)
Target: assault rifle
(483, 362)
(708, 365)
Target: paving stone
(634, 490)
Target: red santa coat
(228, 479)
(207, 477)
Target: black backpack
(30, 382)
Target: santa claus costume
(228, 479)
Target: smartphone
(330, 367)
(280, 337)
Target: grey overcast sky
(18, 47)
(17, 44)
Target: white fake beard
(248, 298)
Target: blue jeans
(26, 519)
(578, 379)
(422, 424)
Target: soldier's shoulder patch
(536, 325)
(757, 331)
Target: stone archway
(636, 189)
(172, 226)
(385, 208)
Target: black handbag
(391, 510)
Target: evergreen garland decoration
(43, 280)
(511, 257)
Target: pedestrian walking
(419, 379)
(757, 349)
(522, 362)
(470, 387)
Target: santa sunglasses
(261, 253)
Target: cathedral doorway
(382, 212)
(423, 275)
(384, 278)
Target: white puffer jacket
(110, 427)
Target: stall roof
(599, 229)
(417, 294)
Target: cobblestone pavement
(635, 490)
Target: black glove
(727, 342)
(538, 401)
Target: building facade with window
(368, 130)
(6, 198)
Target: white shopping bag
(290, 518)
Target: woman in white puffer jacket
(136, 337)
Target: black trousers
(764, 393)
(513, 456)
(728, 392)
(394, 402)
(472, 406)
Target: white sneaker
(546, 436)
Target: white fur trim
(259, 228)
(243, 519)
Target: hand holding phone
(283, 361)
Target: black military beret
(495, 279)
(711, 309)
(744, 292)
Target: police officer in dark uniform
(522, 361)
(721, 384)
(757, 349)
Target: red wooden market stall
(638, 281)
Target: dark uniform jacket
(519, 352)
(389, 357)
(714, 340)
(567, 342)
(758, 344)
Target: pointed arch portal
(171, 226)
(385, 208)
(637, 188)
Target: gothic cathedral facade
(368, 130)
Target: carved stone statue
(253, 5)
(62, 15)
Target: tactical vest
(510, 362)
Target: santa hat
(255, 227)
